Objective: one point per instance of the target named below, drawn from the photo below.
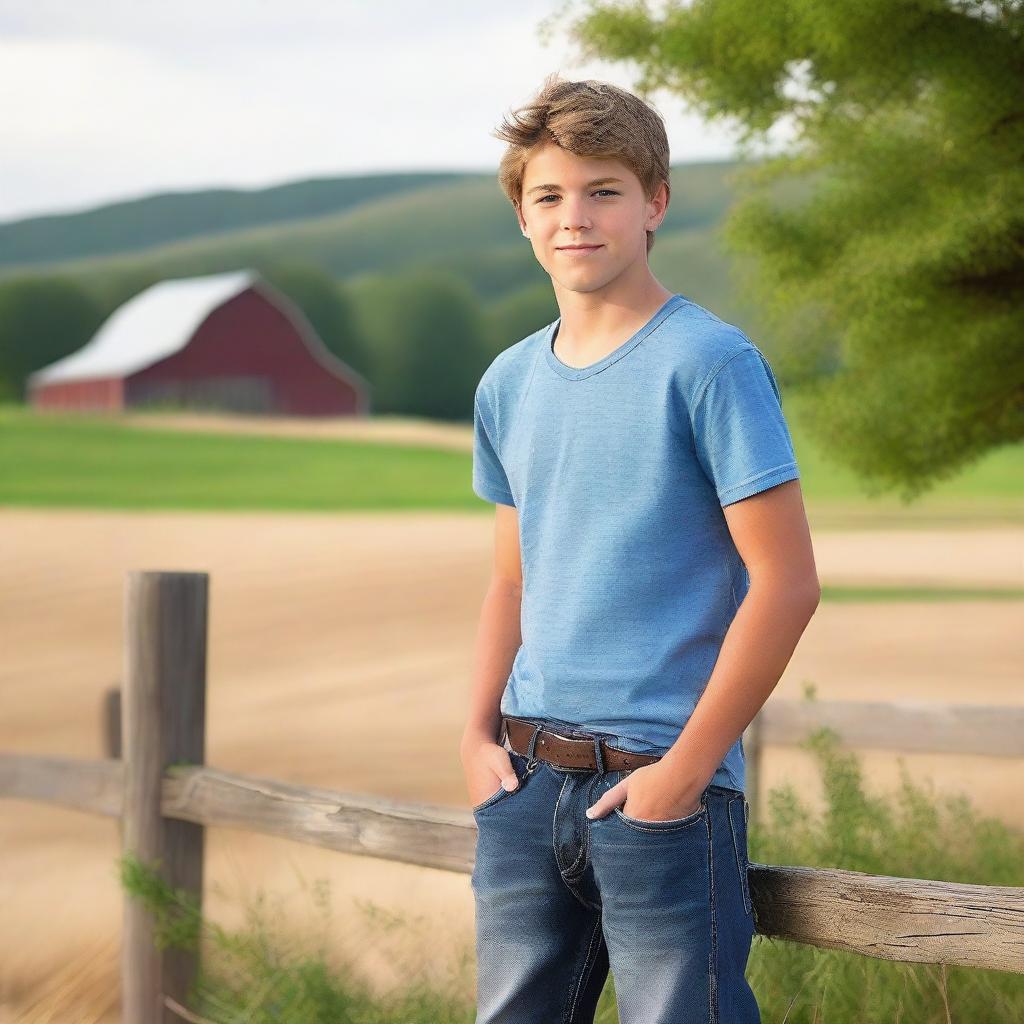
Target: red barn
(220, 342)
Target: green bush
(909, 834)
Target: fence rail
(164, 797)
(893, 918)
(906, 726)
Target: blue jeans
(561, 899)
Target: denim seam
(588, 966)
(713, 952)
(640, 826)
(579, 864)
(554, 849)
(740, 859)
(585, 855)
(492, 799)
(554, 826)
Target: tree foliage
(42, 319)
(897, 280)
(423, 332)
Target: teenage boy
(652, 575)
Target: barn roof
(150, 326)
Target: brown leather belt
(568, 752)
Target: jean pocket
(643, 825)
(738, 823)
(519, 763)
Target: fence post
(163, 722)
(111, 722)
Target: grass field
(89, 461)
(96, 462)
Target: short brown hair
(591, 119)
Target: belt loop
(531, 761)
(598, 757)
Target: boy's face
(610, 217)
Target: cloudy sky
(113, 99)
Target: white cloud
(112, 101)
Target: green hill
(138, 224)
(459, 221)
(386, 226)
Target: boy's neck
(593, 324)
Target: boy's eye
(552, 195)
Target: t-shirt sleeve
(740, 434)
(489, 479)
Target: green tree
(427, 343)
(42, 319)
(519, 313)
(896, 273)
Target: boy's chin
(581, 282)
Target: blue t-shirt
(619, 472)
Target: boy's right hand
(487, 767)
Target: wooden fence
(164, 796)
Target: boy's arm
(743, 443)
(499, 634)
(772, 536)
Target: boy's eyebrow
(558, 188)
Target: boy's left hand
(653, 795)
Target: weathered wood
(112, 738)
(163, 722)
(96, 787)
(430, 835)
(906, 726)
(111, 720)
(892, 918)
(907, 919)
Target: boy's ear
(519, 217)
(659, 201)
